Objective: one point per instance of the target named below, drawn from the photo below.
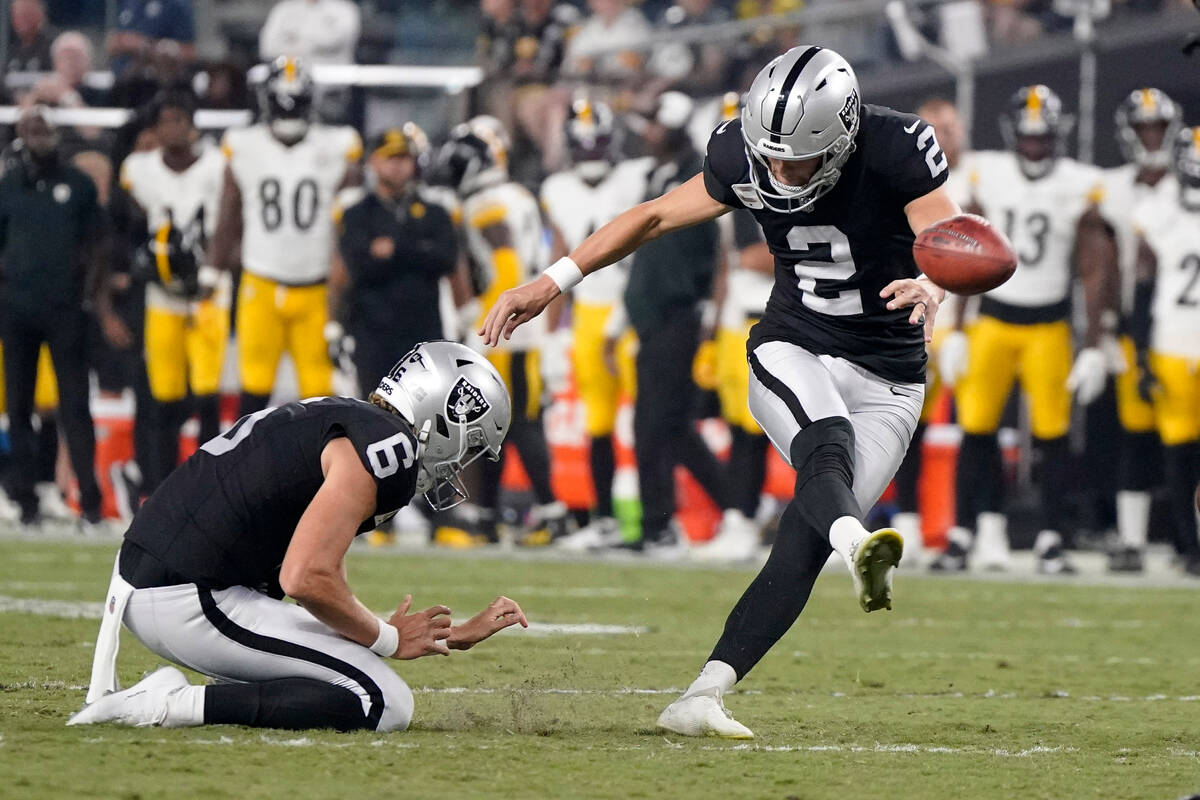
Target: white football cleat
(702, 715)
(991, 551)
(736, 540)
(141, 705)
(600, 533)
(874, 561)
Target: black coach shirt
(832, 261)
(47, 224)
(226, 516)
(396, 296)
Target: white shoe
(9, 511)
(598, 534)
(702, 715)
(141, 705)
(736, 540)
(671, 545)
(874, 560)
(991, 551)
(908, 525)
(51, 502)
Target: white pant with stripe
(239, 635)
(791, 388)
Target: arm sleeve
(909, 159)
(725, 163)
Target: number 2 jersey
(287, 198)
(225, 517)
(1172, 231)
(832, 261)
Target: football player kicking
(269, 509)
(838, 359)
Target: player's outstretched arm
(500, 614)
(313, 571)
(686, 205)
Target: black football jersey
(225, 517)
(832, 261)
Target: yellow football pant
(272, 318)
(999, 353)
(1177, 406)
(525, 383)
(733, 377)
(1135, 414)
(600, 390)
(45, 390)
(186, 350)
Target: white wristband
(388, 641)
(565, 273)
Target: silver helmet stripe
(785, 91)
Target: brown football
(965, 254)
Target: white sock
(185, 707)
(1133, 518)
(844, 533)
(715, 675)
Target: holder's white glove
(952, 357)
(556, 360)
(339, 345)
(465, 317)
(1088, 374)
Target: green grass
(968, 690)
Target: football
(965, 254)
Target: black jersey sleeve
(746, 230)
(904, 153)
(388, 451)
(725, 163)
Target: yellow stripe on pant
(273, 318)
(999, 353)
(45, 387)
(1177, 405)
(527, 395)
(600, 390)
(733, 377)
(1134, 413)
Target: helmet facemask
(440, 481)
(799, 198)
(1143, 108)
(1036, 113)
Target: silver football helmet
(1035, 128)
(458, 406)
(804, 104)
(1147, 107)
(1185, 161)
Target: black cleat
(952, 559)
(1126, 560)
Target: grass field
(969, 689)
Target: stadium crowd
(193, 249)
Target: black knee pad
(826, 445)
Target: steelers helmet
(173, 259)
(458, 407)
(1035, 127)
(419, 146)
(1147, 107)
(804, 104)
(590, 131)
(1185, 162)
(467, 163)
(285, 92)
(493, 132)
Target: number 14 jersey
(287, 198)
(832, 261)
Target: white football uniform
(578, 208)
(1173, 233)
(1123, 196)
(188, 199)
(287, 198)
(1039, 217)
(515, 207)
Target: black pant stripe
(780, 389)
(785, 91)
(279, 647)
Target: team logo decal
(748, 195)
(466, 402)
(849, 112)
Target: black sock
(169, 418)
(1179, 462)
(529, 437)
(288, 703)
(910, 472)
(777, 595)
(1138, 470)
(47, 447)
(604, 467)
(823, 455)
(208, 409)
(1055, 479)
(253, 402)
(979, 478)
(747, 470)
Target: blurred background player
(577, 201)
(1043, 202)
(1147, 123)
(504, 237)
(177, 186)
(394, 247)
(1165, 327)
(280, 184)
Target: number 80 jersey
(287, 198)
(832, 261)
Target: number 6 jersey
(832, 261)
(287, 198)
(226, 516)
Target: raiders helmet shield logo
(849, 112)
(465, 403)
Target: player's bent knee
(826, 445)
(397, 707)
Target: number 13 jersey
(832, 261)
(287, 198)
